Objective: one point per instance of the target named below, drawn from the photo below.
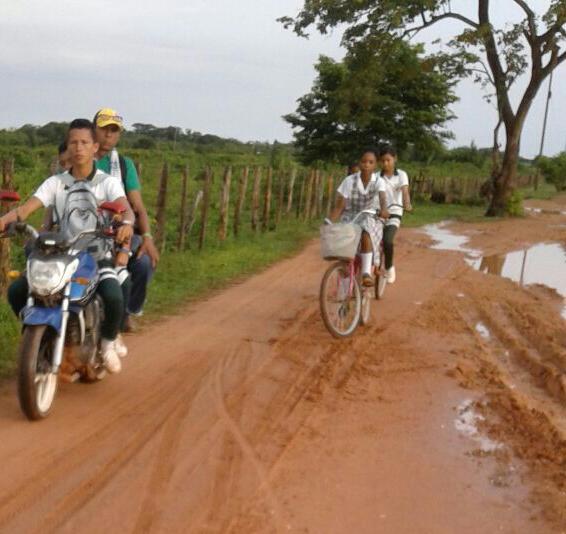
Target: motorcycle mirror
(114, 207)
(9, 196)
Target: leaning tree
(494, 56)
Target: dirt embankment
(446, 414)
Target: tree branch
(494, 61)
(411, 32)
(531, 17)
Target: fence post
(7, 184)
(280, 199)
(138, 166)
(291, 189)
(267, 200)
(308, 199)
(330, 196)
(255, 198)
(205, 203)
(184, 214)
(225, 203)
(242, 186)
(301, 197)
(161, 208)
(321, 190)
(193, 214)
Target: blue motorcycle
(62, 317)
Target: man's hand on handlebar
(408, 207)
(384, 213)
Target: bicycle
(344, 302)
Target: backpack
(80, 212)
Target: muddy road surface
(241, 414)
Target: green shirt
(132, 182)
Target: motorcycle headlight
(49, 277)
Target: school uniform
(359, 198)
(392, 187)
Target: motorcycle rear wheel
(37, 385)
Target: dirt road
(243, 415)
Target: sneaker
(110, 356)
(120, 347)
(390, 275)
(367, 280)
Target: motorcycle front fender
(36, 315)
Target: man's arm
(21, 212)
(147, 247)
(383, 212)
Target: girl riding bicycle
(394, 197)
(356, 193)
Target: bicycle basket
(340, 241)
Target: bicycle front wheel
(340, 300)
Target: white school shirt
(392, 187)
(53, 191)
(345, 188)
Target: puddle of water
(543, 264)
(483, 330)
(467, 424)
(444, 239)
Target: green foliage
(554, 170)
(380, 92)
(514, 207)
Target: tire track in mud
(521, 376)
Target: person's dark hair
(369, 150)
(387, 150)
(82, 124)
(62, 147)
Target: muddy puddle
(542, 264)
(444, 239)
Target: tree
(495, 57)
(380, 92)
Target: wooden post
(267, 200)
(291, 189)
(7, 184)
(280, 199)
(193, 214)
(242, 186)
(138, 166)
(205, 202)
(301, 198)
(184, 214)
(255, 198)
(321, 190)
(330, 195)
(161, 208)
(308, 198)
(225, 203)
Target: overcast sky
(216, 66)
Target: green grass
(544, 192)
(429, 213)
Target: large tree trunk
(504, 179)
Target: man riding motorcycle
(53, 193)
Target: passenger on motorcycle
(53, 193)
(356, 193)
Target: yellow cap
(108, 116)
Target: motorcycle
(62, 317)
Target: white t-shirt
(392, 186)
(53, 191)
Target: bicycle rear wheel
(340, 300)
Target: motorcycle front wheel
(37, 385)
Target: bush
(515, 204)
(145, 143)
(554, 170)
